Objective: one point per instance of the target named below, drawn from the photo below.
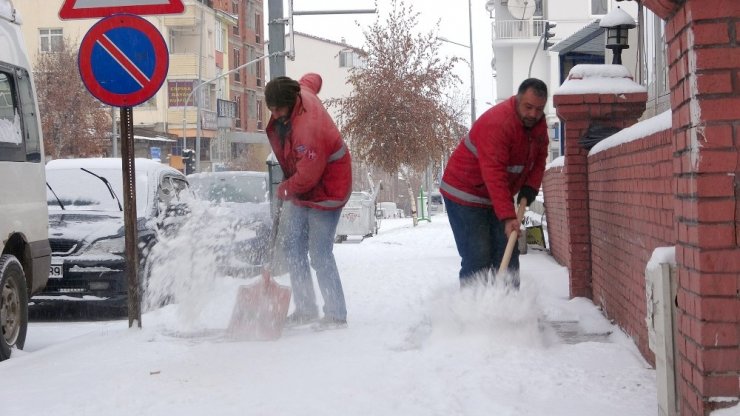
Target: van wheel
(13, 305)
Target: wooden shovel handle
(512, 237)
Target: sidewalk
(416, 346)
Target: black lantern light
(617, 24)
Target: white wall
(321, 57)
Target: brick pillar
(703, 38)
(578, 111)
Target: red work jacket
(315, 161)
(495, 159)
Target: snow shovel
(261, 308)
(513, 237)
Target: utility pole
(276, 30)
(198, 120)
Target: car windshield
(81, 191)
(230, 188)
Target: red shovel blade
(260, 310)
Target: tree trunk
(412, 197)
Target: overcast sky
(453, 18)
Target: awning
(153, 139)
(589, 39)
(246, 137)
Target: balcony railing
(518, 29)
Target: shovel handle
(512, 237)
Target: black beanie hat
(282, 92)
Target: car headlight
(110, 245)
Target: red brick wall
(553, 186)
(625, 211)
(704, 74)
(631, 212)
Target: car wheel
(13, 305)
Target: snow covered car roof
(84, 192)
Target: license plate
(55, 271)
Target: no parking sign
(123, 60)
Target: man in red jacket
(318, 182)
(503, 154)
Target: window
(51, 40)
(250, 23)
(19, 135)
(538, 9)
(252, 104)
(219, 37)
(655, 69)
(258, 28)
(260, 115)
(599, 7)
(237, 63)
(251, 55)
(258, 70)
(350, 59)
(238, 119)
(235, 11)
(204, 93)
(11, 135)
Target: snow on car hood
(85, 226)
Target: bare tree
(74, 123)
(397, 118)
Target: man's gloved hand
(282, 191)
(526, 193)
(512, 225)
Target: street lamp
(472, 65)
(617, 24)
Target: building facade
(517, 30)
(205, 42)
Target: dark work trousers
(481, 242)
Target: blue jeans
(310, 232)
(481, 242)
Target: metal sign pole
(129, 215)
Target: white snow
(416, 345)
(599, 79)
(557, 162)
(617, 17)
(661, 255)
(10, 132)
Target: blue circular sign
(123, 60)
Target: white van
(25, 254)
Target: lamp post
(617, 24)
(472, 64)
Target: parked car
(86, 225)
(240, 201)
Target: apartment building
(205, 42)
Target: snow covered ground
(416, 345)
